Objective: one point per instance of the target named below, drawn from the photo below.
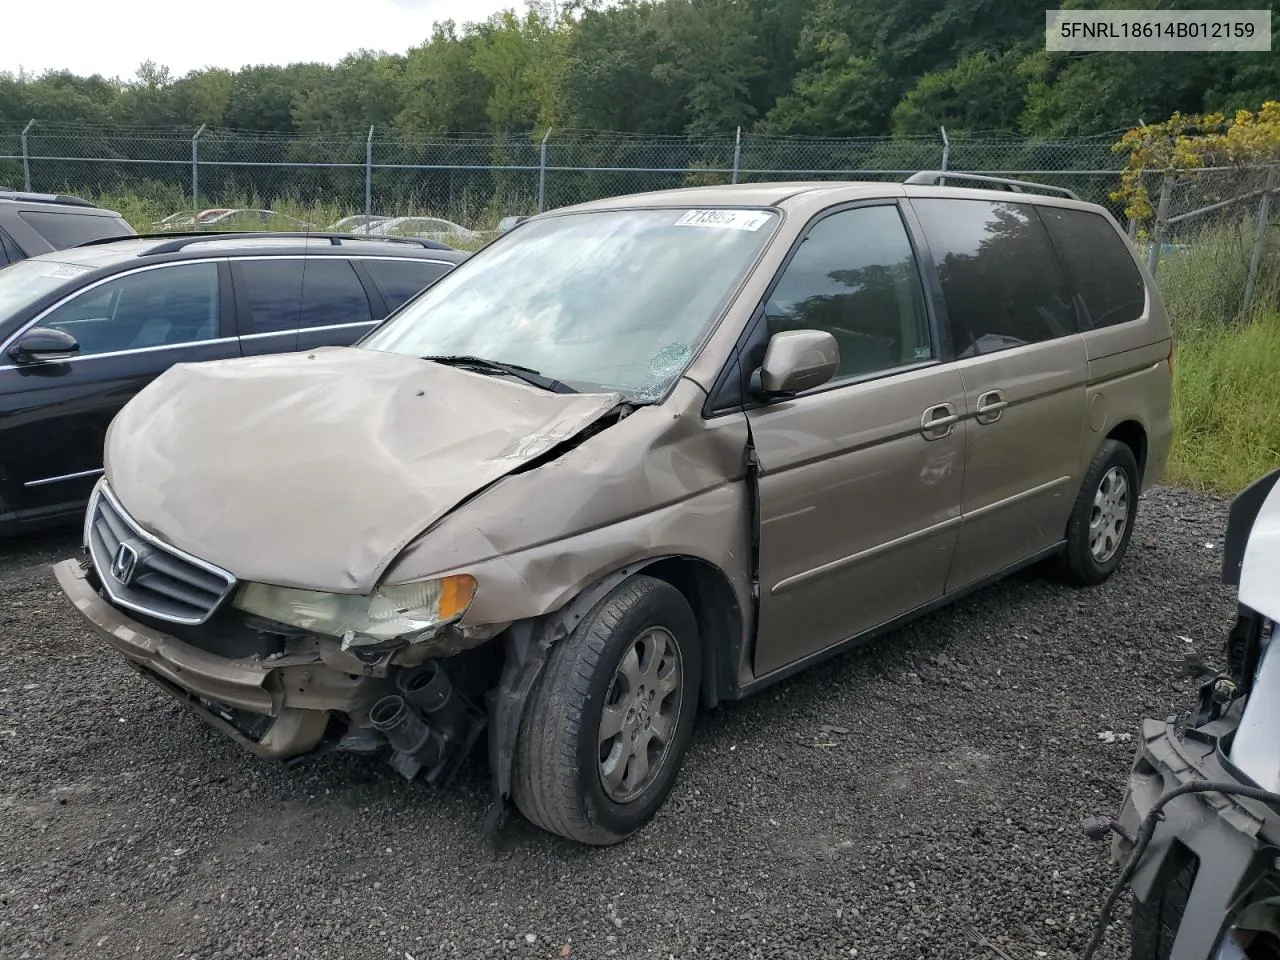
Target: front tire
(1101, 523)
(610, 719)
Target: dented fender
(662, 482)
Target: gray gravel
(908, 800)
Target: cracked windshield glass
(615, 300)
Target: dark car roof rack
(935, 177)
(61, 198)
(177, 240)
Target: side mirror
(42, 344)
(797, 360)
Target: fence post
(542, 172)
(195, 171)
(368, 174)
(26, 157)
(946, 152)
(1259, 238)
(737, 155)
(1162, 212)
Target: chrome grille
(143, 574)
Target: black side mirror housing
(43, 344)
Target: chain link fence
(1210, 236)
(476, 180)
(1213, 242)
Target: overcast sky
(112, 37)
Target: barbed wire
(475, 179)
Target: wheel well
(1133, 436)
(719, 615)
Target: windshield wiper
(527, 374)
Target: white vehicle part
(1260, 570)
(1256, 748)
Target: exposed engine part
(427, 687)
(431, 726)
(415, 743)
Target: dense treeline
(690, 67)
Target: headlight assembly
(409, 611)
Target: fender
(526, 645)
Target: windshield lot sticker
(724, 219)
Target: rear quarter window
(401, 280)
(64, 230)
(1099, 266)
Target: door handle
(938, 421)
(989, 406)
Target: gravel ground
(917, 798)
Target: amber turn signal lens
(456, 594)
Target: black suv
(82, 330)
(36, 223)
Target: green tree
(710, 54)
(981, 92)
(442, 91)
(364, 88)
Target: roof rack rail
(935, 177)
(62, 198)
(178, 239)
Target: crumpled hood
(315, 469)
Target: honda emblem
(124, 563)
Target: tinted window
(64, 230)
(855, 276)
(402, 279)
(333, 294)
(10, 252)
(1102, 272)
(1000, 277)
(274, 290)
(284, 296)
(168, 305)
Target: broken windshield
(615, 300)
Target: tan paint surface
(315, 469)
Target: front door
(1018, 349)
(131, 328)
(860, 479)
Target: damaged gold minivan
(633, 456)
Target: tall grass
(1203, 281)
(1226, 405)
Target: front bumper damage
(1232, 843)
(297, 701)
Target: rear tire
(1101, 523)
(610, 718)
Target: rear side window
(284, 296)
(274, 291)
(1099, 266)
(401, 280)
(1000, 276)
(64, 230)
(332, 294)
